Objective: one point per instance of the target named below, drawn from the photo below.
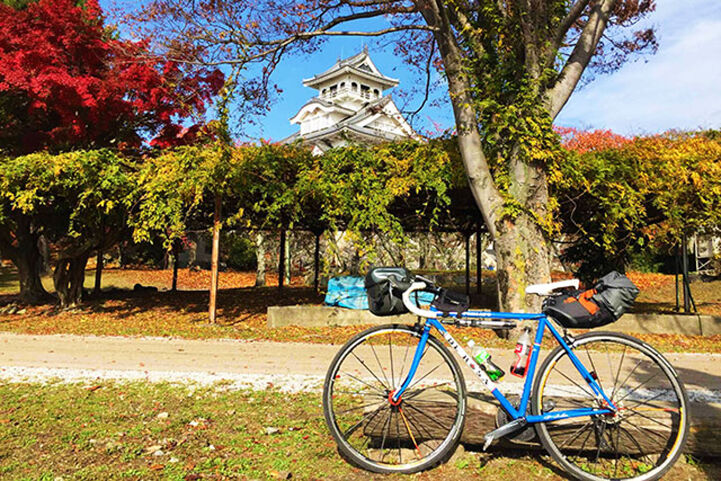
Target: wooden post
(684, 254)
(281, 259)
(479, 250)
(260, 257)
(316, 263)
(214, 259)
(287, 260)
(98, 271)
(468, 263)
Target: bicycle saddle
(547, 289)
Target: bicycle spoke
(390, 354)
(430, 418)
(364, 406)
(576, 435)
(403, 366)
(385, 435)
(380, 366)
(577, 385)
(365, 383)
(352, 429)
(417, 392)
(618, 372)
(637, 387)
(425, 376)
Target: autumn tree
(78, 200)
(510, 67)
(621, 195)
(67, 82)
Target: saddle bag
(385, 287)
(610, 298)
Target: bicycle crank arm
(505, 430)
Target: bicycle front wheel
(642, 439)
(375, 433)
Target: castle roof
(359, 64)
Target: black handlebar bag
(610, 298)
(385, 287)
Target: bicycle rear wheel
(379, 435)
(643, 439)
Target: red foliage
(66, 81)
(584, 141)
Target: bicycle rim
(643, 439)
(383, 436)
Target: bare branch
(571, 73)
(432, 53)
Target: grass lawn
(242, 310)
(159, 431)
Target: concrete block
(322, 316)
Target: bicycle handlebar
(418, 285)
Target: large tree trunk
(29, 265)
(523, 259)
(23, 250)
(69, 277)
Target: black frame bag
(385, 287)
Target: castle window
(376, 93)
(365, 91)
(342, 85)
(354, 86)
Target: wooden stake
(316, 263)
(214, 260)
(281, 260)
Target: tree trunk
(479, 261)
(98, 272)
(22, 248)
(69, 277)
(522, 259)
(260, 270)
(176, 255)
(29, 265)
(215, 254)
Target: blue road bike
(604, 405)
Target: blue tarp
(350, 292)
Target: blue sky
(678, 88)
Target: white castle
(350, 106)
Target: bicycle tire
(381, 445)
(644, 451)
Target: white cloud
(679, 87)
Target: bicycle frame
(543, 324)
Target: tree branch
(476, 165)
(573, 14)
(571, 73)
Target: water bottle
(522, 352)
(482, 357)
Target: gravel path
(242, 364)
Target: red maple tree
(67, 81)
(583, 141)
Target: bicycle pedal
(504, 430)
